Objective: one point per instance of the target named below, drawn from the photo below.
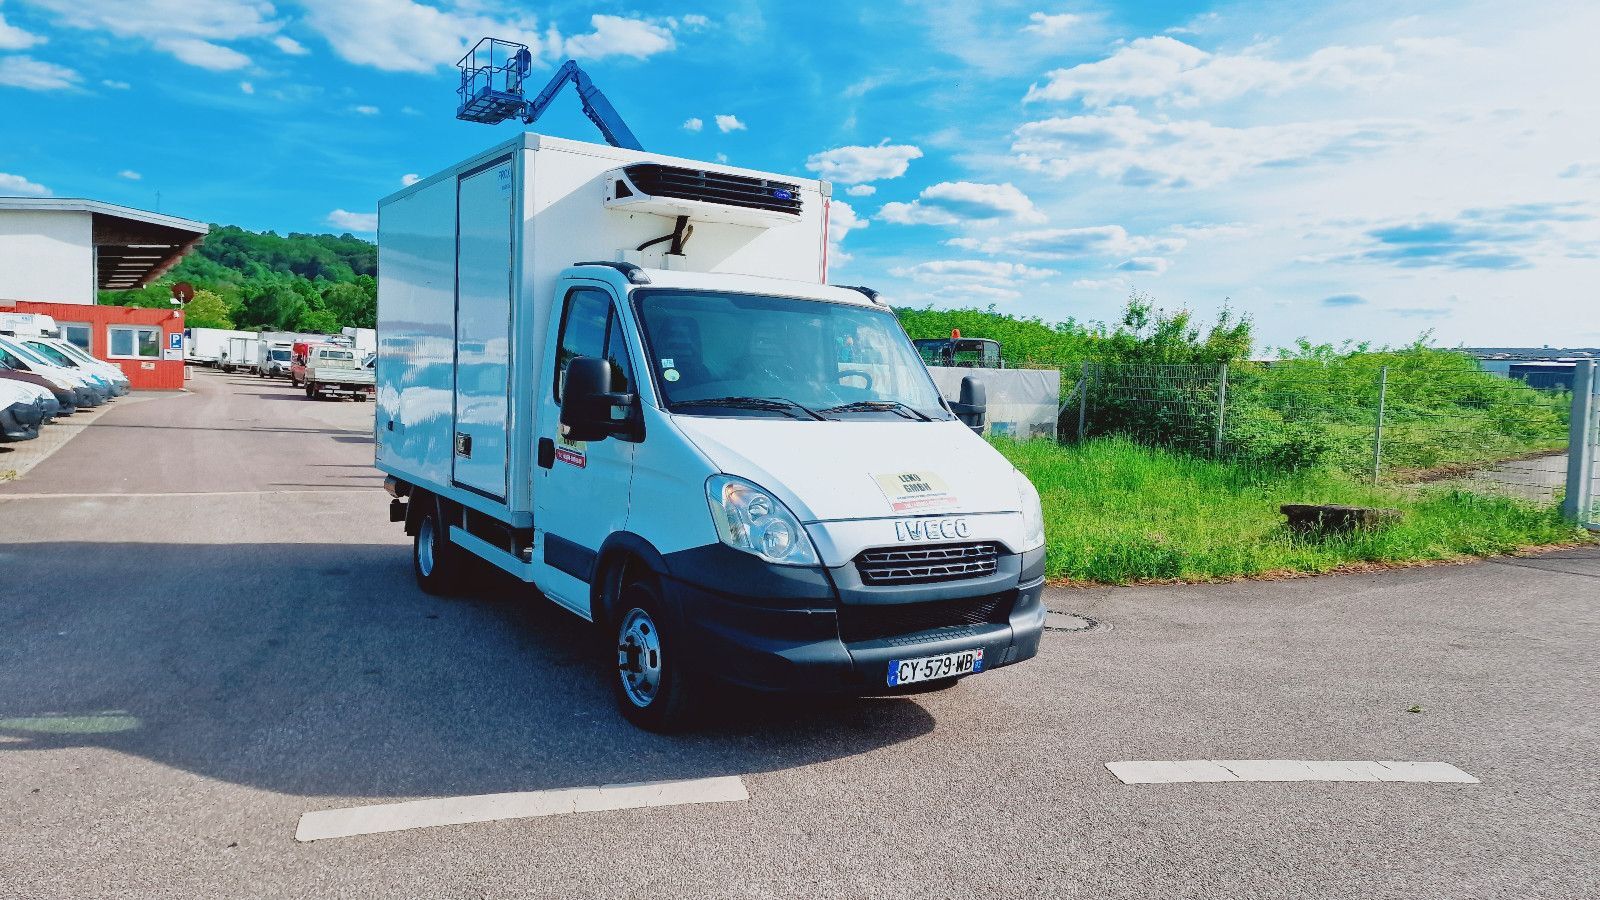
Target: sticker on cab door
(914, 490)
(573, 453)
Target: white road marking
(1206, 770)
(333, 823)
(106, 496)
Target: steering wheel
(856, 373)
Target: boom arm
(595, 105)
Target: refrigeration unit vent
(703, 195)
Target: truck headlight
(750, 519)
(1032, 513)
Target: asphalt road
(191, 657)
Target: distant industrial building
(57, 254)
(57, 250)
(1544, 368)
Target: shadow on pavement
(323, 670)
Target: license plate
(928, 668)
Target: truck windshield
(723, 354)
(280, 355)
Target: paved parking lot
(208, 628)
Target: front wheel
(311, 392)
(652, 686)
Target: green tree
(320, 321)
(207, 310)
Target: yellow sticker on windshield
(910, 491)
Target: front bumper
(788, 628)
(20, 421)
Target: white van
(737, 470)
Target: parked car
(272, 358)
(72, 356)
(335, 371)
(87, 393)
(66, 400)
(22, 411)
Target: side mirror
(587, 401)
(973, 408)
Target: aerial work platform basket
(491, 81)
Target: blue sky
(1338, 170)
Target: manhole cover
(1062, 621)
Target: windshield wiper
(773, 404)
(894, 406)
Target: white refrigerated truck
(622, 378)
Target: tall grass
(1118, 512)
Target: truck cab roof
(626, 276)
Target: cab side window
(589, 327)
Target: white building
(59, 250)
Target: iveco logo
(931, 529)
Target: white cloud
(861, 190)
(35, 75)
(1122, 145)
(409, 179)
(853, 165)
(1168, 69)
(842, 220)
(188, 29)
(129, 174)
(1154, 265)
(116, 85)
(365, 110)
(354, 221)
(721, 157)
(17, 186)
(948, 270)
(289, 45)
(617, 36)
(14, 38)
(1096, 241)
(247, 87)
(1046, 25)
(695, 20)
(406, 36)
(726, 124)
(693, 123)
(204, 54)
(957, 202)
(1100, 284)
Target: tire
(361, 396)
(435, 561)
(310, 393)
(653, 688)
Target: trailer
(207, 346)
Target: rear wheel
(434, 560)
(653, 688)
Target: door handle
(547, 453)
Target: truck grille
(926, 565)
(875, 621)
(715, 187)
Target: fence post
(1083, 403)
(1222, 409)
(1581, 446)
(1377, 439)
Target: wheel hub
(639, 657)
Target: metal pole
(1377, 440)
(1083, 402)
(1222, 408)
(1581, 445)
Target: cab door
(581, 489)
